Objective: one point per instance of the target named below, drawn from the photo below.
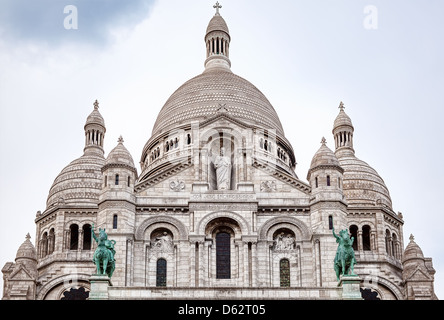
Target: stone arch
(377, 283)
(299, 228)
(177, 228)
(243, 224)
(61, 284)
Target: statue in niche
(284, 242)
(163, 242)
(222, 163)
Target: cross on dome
(96, 104)
(323, 141)
(217, 6)
(341, 106)
(120, 140)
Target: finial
(96, 104)
(412, 237)
(217, 6)
(120, 140)
(28, 236)
(323, 141)
(341, 106)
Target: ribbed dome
(203, 96)
(120, 156)
(342, 119)
(26, 250)
(95, 117)
(362, 185)
(217, 23)
(324, 156)
(79, 183)
(412, 251)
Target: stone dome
(217, 23)
(362, 185)
(95, 117)
(120, 156)
(204, 95)
(26, 250)
(324, 156)
(342, 119)
(412, 251)
(78, 183)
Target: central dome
(203, 96)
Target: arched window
(330, 222)
(188, 138)
(366, 238)
(51, 241)
(223, 263)
(117, 180)
(129, 181)
(387, 241)
(44, 245)
(161, 273)
(167, 146)
(284, 272)
(328, 181)
(115, 221)
(261, 143)
(354, 233)
(394, 251)
(86, 237)
(316, 182)
(74, 239)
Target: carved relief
(268, 186)
(162, 240)
(177, 185)
(284, 240)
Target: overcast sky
(383, 59)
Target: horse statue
(345, 255)
(104, 254)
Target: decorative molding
(268, 186)
(177, 185)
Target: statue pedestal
(350, 287)
(99, 287)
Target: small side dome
(120, 156)
(412, 251)
(26, 250)
(324, 156)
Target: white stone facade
(277, 228)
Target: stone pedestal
(99, 287)
(350, 287)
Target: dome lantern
(94, 132)
(343, 131)
(217, 40)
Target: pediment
(419, 275)
(282, 176)
(162, 173)
(20, 273)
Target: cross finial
(217, 6)
(341, 106)
(412, 237)
(28, 236)
(120, 140)
(96, 105)
(323, 141)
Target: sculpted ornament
(163, 242)
(284, 242)
(177, 185)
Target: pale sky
(305, 56)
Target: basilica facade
(216, 210)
